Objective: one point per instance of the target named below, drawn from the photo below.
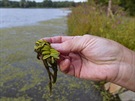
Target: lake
(20, 17)
(22, 76)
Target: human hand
(91, 57)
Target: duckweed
(23, 77)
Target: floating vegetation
(49, 56)
(22, 76)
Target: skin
(95, 58)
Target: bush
(91, 20)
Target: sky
(54, 0)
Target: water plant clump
(49, 56)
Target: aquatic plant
(49, 56)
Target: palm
(95, 62)
(89, 57)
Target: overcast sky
(54, 0)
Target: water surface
(10, 17)
(22, 76)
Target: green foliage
(23, 78)
(128, 5)
(49, 57)
(90, 20)
(5, 3)
(31, 4)
(106, 95)
(106, 1)
(47, 3)
(16, 99)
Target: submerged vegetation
(24, 78)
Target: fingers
(68, 44)
(57, 39)
(62, 47)
(66, 67)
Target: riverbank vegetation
(93, 19)
(113, 21)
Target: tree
(47, 3)
(23, 3)
(5, 3)
(109, 11)
(31, 4)
(128, 5)
(14, 4)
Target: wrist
(126, 74)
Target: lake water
(20, 17)
(22, 76)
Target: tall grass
(92, 20)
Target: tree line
(34, 4)
(128, 5)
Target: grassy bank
(24, 78)
(90, 20)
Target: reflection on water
(18, 17)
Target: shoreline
(36, 24)
(30, 19)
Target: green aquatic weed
(49, 56)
